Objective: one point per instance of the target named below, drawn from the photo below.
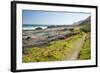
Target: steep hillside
(87, 21)
(86, 25)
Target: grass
(86, 49)
(55, 51)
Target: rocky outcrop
(42, 37)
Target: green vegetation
(85, 28)
(64, 47)
(85, 52)
(86, 49)
(55, 51)
(58, 50)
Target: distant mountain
(87, 21)
(77, 23)
(82, 22)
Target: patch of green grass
(56, 51)
(86, 49)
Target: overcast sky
(48, 17)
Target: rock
(38, 28)
(61, 37)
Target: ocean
(33, 26)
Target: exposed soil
(74, 51)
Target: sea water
(33, 27)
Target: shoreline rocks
(42, 37)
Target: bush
(71, 29)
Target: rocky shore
(44, 36)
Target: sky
(52, 17)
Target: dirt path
(74, 52)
